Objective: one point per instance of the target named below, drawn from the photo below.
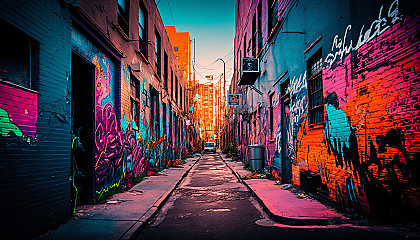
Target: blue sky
(211, 24)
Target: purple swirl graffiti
(108, 152)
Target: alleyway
(210, 203)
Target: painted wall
(182, 42)
(365, 155)
(372, 124)
(125, 151)
(35, 122)
(18, 111)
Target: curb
(143, 221)
(277, 218)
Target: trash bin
(255, 154)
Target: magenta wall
(20, 104)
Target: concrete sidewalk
(126, 213)
(282, 205)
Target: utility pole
(194, 63)
(224, 86)
(220, 109)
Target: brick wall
(364, 156)
(35, 170)
(142, 146)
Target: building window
(180, 97)
(123, 7)
(271, 112)
(254, 121)
(176, 89)
(164, 119)
(157, 53)
(259, 32)
(18, 56)
(142, 30)
(273, 7)
(176, 49)
(254, 36)
(154, 111)
(285, 88)
(172, 84)
(165, 70)
(245, 45)
(315, 90)
(135, 100)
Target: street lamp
(224, 85)
(224, 74)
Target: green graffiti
(7, 128)
(110, 190)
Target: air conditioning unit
(250, 70)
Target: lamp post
(224, 85)
(224, 74)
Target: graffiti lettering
(298, 108)
(339, 48)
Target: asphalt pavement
(125, 213)
(213, 203)
(207, 198)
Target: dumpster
(255, 154)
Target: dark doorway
(286, 164)
(82, 75)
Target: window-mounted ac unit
(250, 70)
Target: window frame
(254, 41)
(154, 111)
(26, 56)
(143, 41)
(158, 53)
(176, 89)
(315, 90)
(135, 100)
(271, 115)
(245, 50)
(274, 8)
(172, 83)
(165, 69)
(123, 17)
(259, 37)
(180, 97)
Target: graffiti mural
(342, 46)
(124, 152)
(371, 128)
(298, 113)
(364, 155)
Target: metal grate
(315, 91)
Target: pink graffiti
(107, 142)
(21, 105)
(135, 164)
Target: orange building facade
(205, 110)
(181, 43)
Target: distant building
(207, 109)
(181, 44)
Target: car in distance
(209, 147)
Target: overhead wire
(170, 11)
(226, 56)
